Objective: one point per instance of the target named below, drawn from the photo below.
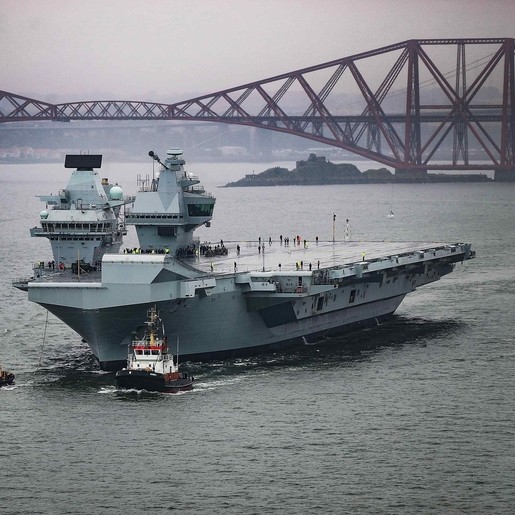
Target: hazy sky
(170, 50)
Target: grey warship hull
(218, 300)
(223, 314)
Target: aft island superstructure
(236, 301)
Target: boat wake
(127, 393)
(8, 388)
(107, 389)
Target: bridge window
(200, 209)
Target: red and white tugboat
(149, 365)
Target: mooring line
(43, 344)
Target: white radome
(116, 193)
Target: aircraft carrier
(220, 299)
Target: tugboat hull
(152, 381)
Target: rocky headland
(317, 170)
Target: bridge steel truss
(395, 105)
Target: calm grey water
(413, 416)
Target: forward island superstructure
(83, 221)
(231, 301)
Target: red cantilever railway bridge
(418, 105)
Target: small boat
(6, 378)
(149, 364)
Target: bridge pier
(504, 175)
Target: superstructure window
(167, 230)
(200, 209)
